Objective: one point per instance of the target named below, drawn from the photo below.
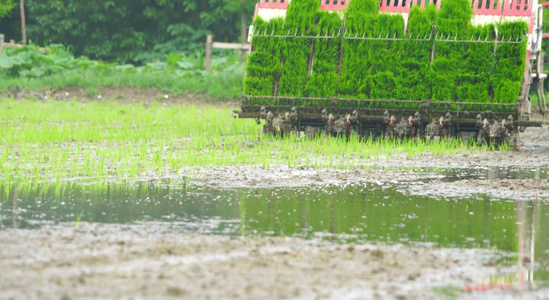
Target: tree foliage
(130, 30)
(5, 7)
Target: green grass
(226, 84)
(535, 101)
(447, 291)
(102, 142)
(29, 69)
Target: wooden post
(209, 42)
(541, 62)
(1, 43)
(243, 31)
(23, 23)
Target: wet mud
(100, 261)
(516, 175)
(163, 260)
(119, 94)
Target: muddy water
(494, 173)
(480, 172)
(352, 213)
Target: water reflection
(358, 213)
(43, 203)
(13, 198)
(351, 213)
(526, 240)
(528, 269)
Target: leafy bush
(57, 67)
(30, 62)
(5, 7)
(182, 38)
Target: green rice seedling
(157, 141)
(325, 64)
(475, 82)
(510, 62)
(453, 21)
(263, 68)
(300, 19)
(355, 79)
(416, 60)
(386, 58)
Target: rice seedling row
(57, 142)
(389, 69)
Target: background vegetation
(6, 7)
(134, 31)
(149, 34)
(28, 68)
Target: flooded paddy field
(397, 224)
(172, 239)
